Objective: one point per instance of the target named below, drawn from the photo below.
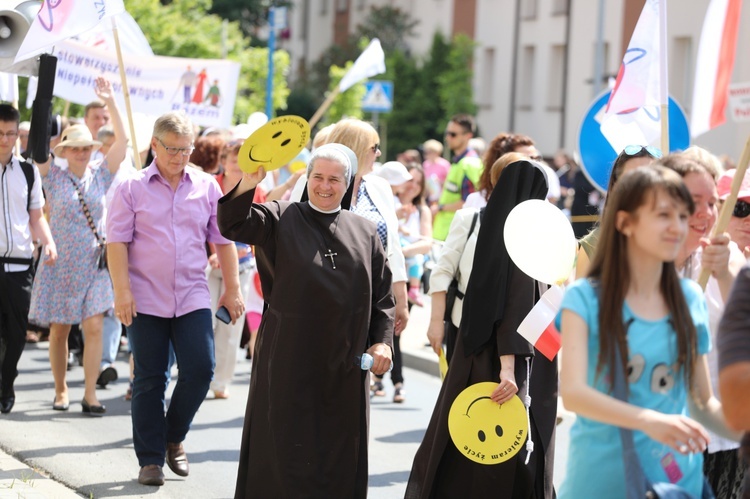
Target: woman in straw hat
(77, 289)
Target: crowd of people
(320, 267)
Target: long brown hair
(611, 271)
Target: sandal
(399, 394)
(378, 389)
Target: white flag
(371, 62)
(58, 21)
(714, 65)
(132, 39)
(8, 87)
(633, 112)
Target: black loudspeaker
(41, 111)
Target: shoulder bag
(101, 251)
(451, 330)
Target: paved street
(95, 458)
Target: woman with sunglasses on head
(739, 224)
(77, 289)
(630, 158)
(721, 465)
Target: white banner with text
(204, 88)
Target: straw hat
(77, 136)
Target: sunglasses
(375, 148)
(741, 209)
(632, 150)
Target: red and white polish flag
(538, 327)
(714, 65)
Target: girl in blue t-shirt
(633, 298)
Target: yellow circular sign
(274, 144)
(482, 430)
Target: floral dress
(73, 288)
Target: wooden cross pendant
(330, 255)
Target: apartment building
(534, 62)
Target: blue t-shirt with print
(595, 464)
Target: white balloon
(257, 120)
(540, 241)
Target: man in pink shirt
(157, 229)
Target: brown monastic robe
(305, 432)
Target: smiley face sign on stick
(482, 430)
(274, 144)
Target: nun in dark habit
(488, 348)
(327, 285)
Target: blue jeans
(192, 337)
(111, 332)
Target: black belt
(17, 261)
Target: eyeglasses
(172, 151)
(632, 150)
(375, 148)
(741, 209)
(10, 135)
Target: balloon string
(527, 403)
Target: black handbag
(101, 250)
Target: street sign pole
(271, 48)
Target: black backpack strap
(28, 171)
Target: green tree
(454, 83)
(184, 29)
(428, 92)
(249, 14)
(347, 104)
(392, 26)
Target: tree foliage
(184, 29)
(347, 104)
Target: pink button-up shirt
(166, 233)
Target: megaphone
(14, 24)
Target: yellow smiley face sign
(482, 430)
(274, 144)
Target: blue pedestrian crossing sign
(378, 96)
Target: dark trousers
(192, 337)
(15, 298)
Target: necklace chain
(327, 243)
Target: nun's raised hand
(249, 182)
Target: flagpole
(664, 76)
(126, 94)
(324, 107)
(727, 207)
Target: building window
(342, 5)
(560, 7)
(323, 7)
(361, 4)
(525, 84)
(681, 71)
(528, 9)
(487, 83)
(607, 71)
(555, 78)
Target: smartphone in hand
(223, 315)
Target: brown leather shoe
(151, 474)
(177, 459)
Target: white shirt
(15, 232)
(456, 258)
